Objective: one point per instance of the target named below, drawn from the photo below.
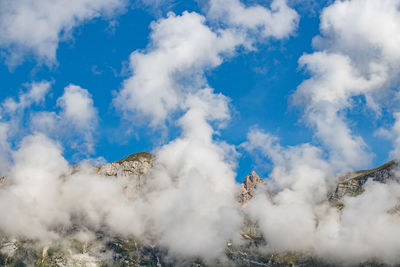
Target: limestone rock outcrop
(249, 186)
(353, 183)
(137, 164)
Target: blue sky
(260, 83)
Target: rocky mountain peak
(249, 186)
(353, 183)
(137, 164)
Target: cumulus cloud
(38, 26)
(76, 121)
(43, 194)
(32, 180)
(367, 30)
(333, 83)
(279, 21)
(4, 148)
(36, 94)
(12, 114)
(13, 111)
(292, 165)
(357, 57)
(299, 179)
(181, 49)
(367, 33)
(194, 179)
(365, 230)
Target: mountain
(249, 186)
(107, 250)
(352, 184)
(137, 164)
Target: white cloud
(32, 193)
(42, 195)
(181, 49)
(365, 231)
(300, 182)
(77, 107)
(75, 123)
(359, 56)
(367, 33)
(301, 168)
(366, 30)
(334, 81)
(28, 26)
(12, 114)
(4, 148)
(35, 95)
(279, 21)
(194, 180)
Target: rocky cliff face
(137, 164)
(353, 183)
(249, 186)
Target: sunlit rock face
(249, 186)
(352, 184)
(137, 164)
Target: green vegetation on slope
(136, 157)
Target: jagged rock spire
(248, 187)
